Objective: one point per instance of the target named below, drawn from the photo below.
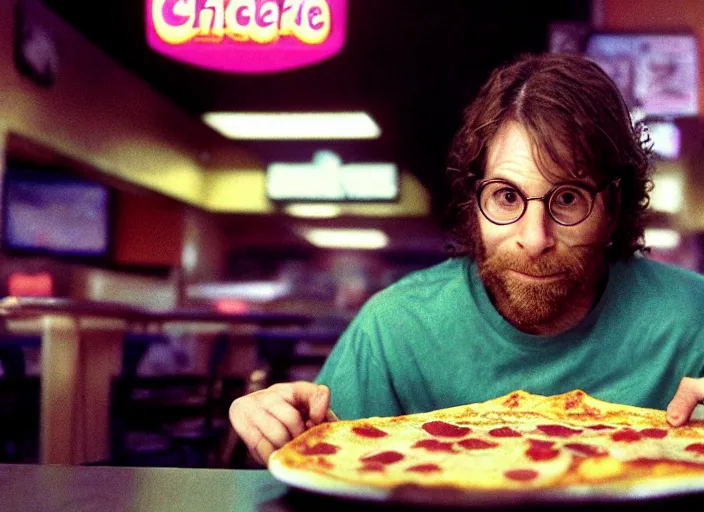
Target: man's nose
(535, 230)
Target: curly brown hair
(578, 123)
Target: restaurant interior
(154, 266)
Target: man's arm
(688, 395)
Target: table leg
(60, 365)
(101, 361)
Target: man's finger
(263, 451)
(688, 395)
(287, 414)
(271, 428)
(312, 399)
(319, 405)
(296, 393)
(250, 436)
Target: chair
(171, 420)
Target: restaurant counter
(106, 489)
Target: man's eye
(566, 198)
(507, 196)
(569, 197)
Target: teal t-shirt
(434, 340)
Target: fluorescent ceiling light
(313, 211)
(662, 238)
(668, 193)
(292, 125)
(346, 238)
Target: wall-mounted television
(657, 73)
(49, 213)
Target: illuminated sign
(326, 178)
(247, 36)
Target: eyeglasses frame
(545, 199)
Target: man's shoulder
(645, 267)
(661, 279)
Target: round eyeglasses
(568, 204)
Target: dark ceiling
(413, 64)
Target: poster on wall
(656, 73)
(247, 36)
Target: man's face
(536, 270)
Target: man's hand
(266, 420)
(688, 395)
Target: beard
(528, 305)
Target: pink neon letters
(249, 36)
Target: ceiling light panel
(330, 238)
(293, 126)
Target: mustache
(543, 267)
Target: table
(106, 489)
(82, 344)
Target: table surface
(18, 307)
(106, 489)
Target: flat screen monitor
(656, 73)
(47, 213)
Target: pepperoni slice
(477, 444)
(538, 453)
(372, 466)
(600, 427)
(654, 433)
(442, 429)
(504, 432)
(521, 475)
(627, 435)
(586, 450)
(433, 445)
(559, 430)
(696, 448)
(320, 449)
(424, 468)
(539, 443)
(368, 431)
(388, 457)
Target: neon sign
(247, 36)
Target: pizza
(521, 441)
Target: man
(548, 290)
